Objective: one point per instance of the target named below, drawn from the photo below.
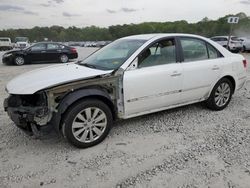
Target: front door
(37, 52)
(156, 82)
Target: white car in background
(235, 44)
(131, 76)
(246, 43)
(5, 43)
(22, 42)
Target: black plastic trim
(73, 97)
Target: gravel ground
(185, 147)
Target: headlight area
(7, 55)
(28, 112)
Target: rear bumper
(236, 49)
(73, 56)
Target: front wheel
(87, 123)
(19, 60)
(221, 95)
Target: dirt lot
(186, 147)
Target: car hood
(14, 51)
(33, 81)
(21, 42)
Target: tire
(221, 95)
(63, 58)
(83, 127)
(244, 49)
(19, 60)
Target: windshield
(113, 55)
(21, 39)
(4, 40)
(235, 38)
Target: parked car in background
(130, 77)
(70, 43)
(21, 42)
(5, 43)
(235, 44)
(40, 52)
(246, 43)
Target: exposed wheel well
(101, 98)
(231, 79)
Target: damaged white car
(130, 77)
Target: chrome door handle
(215, 67)
(175, 73)
(43, 51)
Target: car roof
(224, 36)
(156, 35)
(50, 43)
(220, 37)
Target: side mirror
(134, 64)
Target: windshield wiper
(89, 65)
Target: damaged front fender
(72, 97)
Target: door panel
(37, 52)
(199, 77)
(201, 68)
(150, 88)
(53, 52)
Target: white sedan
(132, 76)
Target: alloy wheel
(222, 94)
(64, 58)
(19, 60)
(89, 124)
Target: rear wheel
(244, 49)
(221, 95)
(87, 123)
(19, 60)
(64, 58)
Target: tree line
(205, 27)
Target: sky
(104, 13)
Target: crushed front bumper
(7, 60)
(26, 117)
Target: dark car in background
(40, 52)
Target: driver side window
(160, 53)
(38, 47)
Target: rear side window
(52, 46)
(5, 40)
(212, 52)
(194, 49)
(223, 39)
(215, 39)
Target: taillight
(245, 63)
(73, 50)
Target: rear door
(53, 51)
(202, 66)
